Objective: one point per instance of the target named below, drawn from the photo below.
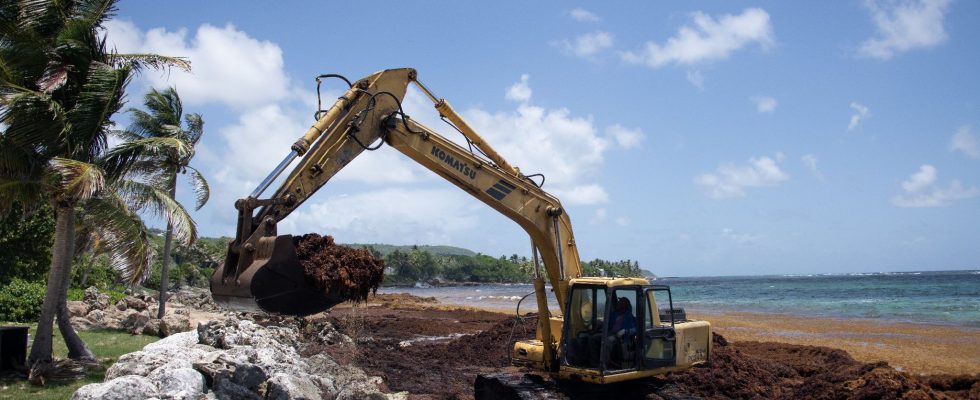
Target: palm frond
(76, 180)
(38, 15)
(33, 118)
(95, 12)
(55, 76)
(139, 62)
(201, 189)
(125, 135)
(101, 96)
(143, 124)
(123, 235)
(118, 160)
(195, 128)
(145, 197)
(165, 106)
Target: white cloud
(964, 140)
(709, 39)
(583, 15)
(626, 138)
(582, 194)
(696, 78)
(861, 112)
(730, 180)
(764, 104)
(810, 161)
(588, 45)
(903, 25)
(393, 215)
(520, 91)
(566, 148)
(920, 190)
(622, 221)
(920, 180)
(228, 66)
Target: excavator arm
(261, 266)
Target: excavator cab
(615, 330)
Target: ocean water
(935, 297)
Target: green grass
(107, 345)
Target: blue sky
(699, 138)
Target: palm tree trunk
(64, 240)
(165, 267)
(76, 347)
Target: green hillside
(386, 249)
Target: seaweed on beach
(737, 370)
(773, 370)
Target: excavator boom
(261, 270)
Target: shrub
(78, 294)
(20, 301)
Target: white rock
(183, 339)
(121, 388)
(138, 363)
(178, 383)
(286, 387)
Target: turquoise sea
(935, 297)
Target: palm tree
(163, 121)
(59, 88)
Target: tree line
(417, 265)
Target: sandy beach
(915, 348)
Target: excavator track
(515, 386)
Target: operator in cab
(622, 327)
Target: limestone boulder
(134, 321)
(174, 323)
(77, 308)
(121, 388)
(152, 327)
(137, 363)
(178, 383)
(135, 303)
(95, 299)
(285, 387)
(82, 323)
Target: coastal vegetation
(60, 88)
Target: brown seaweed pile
(446, 369)
(339, 270)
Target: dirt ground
(435, 351)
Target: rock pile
(233, 359)
(134, 314)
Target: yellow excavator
(610, 329)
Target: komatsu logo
(500, 190)
(462, 167)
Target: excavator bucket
(272, 282)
